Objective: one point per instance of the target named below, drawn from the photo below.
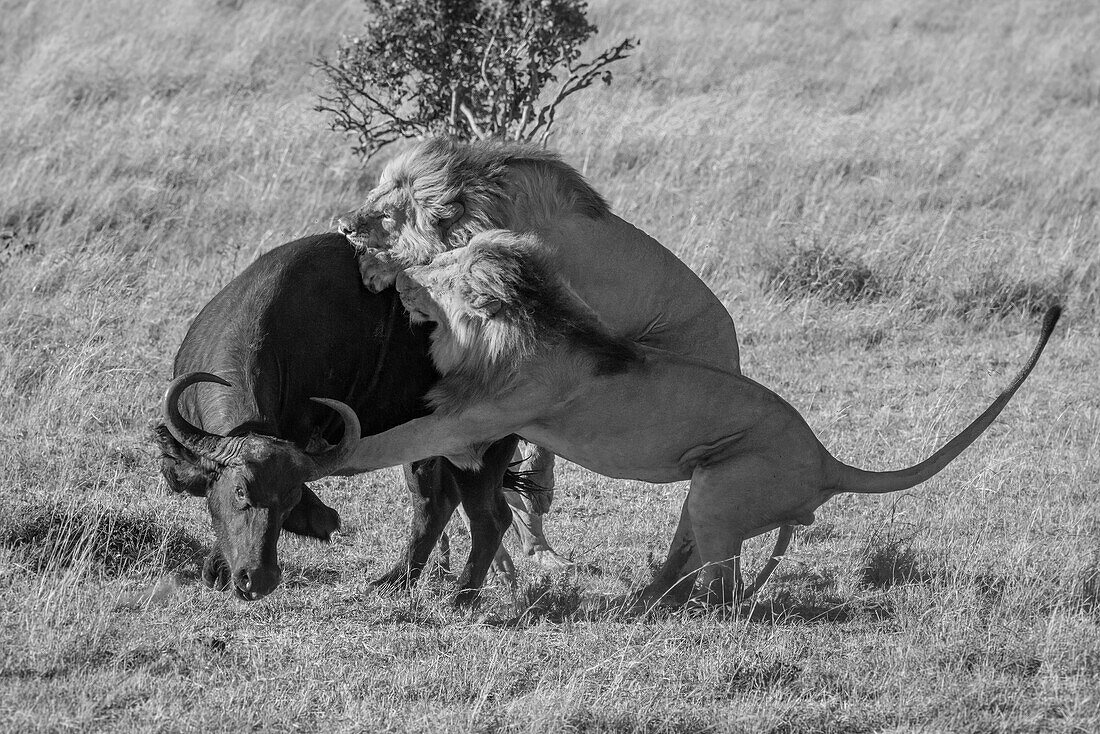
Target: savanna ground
(885, 194)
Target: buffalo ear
(183, 470)
(312, 518)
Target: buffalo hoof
(215, 572)
(398, 580)
(466, 598)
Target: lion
(520, 353)
(441, 193)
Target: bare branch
(472, 122)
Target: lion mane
(498, 185)
(534, 315)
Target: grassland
(885, 194)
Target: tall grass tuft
(1088, 585)
(890, 560)
(54, 537)
(813, 270)
(554, 598)
(997, 292)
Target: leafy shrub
(473, 69)
(553, 598)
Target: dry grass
(884, 194)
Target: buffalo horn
(193, 439)
(328, 461)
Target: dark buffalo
(298, 323)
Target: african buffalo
(298, 323)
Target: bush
(811, 270)
(52, 536)
(471, 69)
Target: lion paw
(377, 268)
(551, 560)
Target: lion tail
(852, 479)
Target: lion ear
(486, 306)
(451, 213)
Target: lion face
(408, 221)
(444, 291)
(463, 291)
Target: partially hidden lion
(520, 353)
(439, 194)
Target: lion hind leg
(732, 501)
(718, 537)
(675, 580)
(537, 463)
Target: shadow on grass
(787, 608)
(799, 598)
(892, 559)
(813, 600)
(51, 536)
(1087, 591)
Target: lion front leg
(418, 439)
(674, 582)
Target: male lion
(519, 353)
(438, 195)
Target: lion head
(500, 310)
(439, 194)
(482, 297)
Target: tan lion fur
(622, 409)
(500, 186)
(439, 194)
(531, 313)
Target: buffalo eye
(242, 497)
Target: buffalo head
(253, 485)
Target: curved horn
(194, 439)
(330, 460)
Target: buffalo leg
(489, 516)
(434, 495)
